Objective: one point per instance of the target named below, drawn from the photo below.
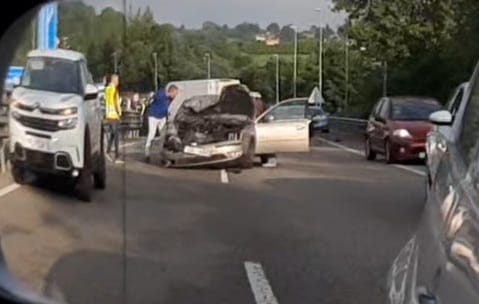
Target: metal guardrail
(355, 125)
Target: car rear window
(413, 110)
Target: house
(308, 35)
(260, 38)
(272, 41)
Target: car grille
(38, 123)
(39, 160)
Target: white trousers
(153, 125)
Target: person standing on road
(157, 114)
(113, 115)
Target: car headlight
(402, 133)
(67, 111)
(14, 104)
(68, 123)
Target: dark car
(319, 119)
(398, 128)
(440, 264)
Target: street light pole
(155, 60)
(295, 68)
(208, 58)
(277, 77)
(320, 55)
(385, 78)
(115, 62)
(346, 74)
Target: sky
(192, 13)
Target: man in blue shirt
(157, 114)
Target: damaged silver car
(212, 129)
(222, 129)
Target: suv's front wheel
(84, 185)
(18, 174)
(99, 177)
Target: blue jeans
(114, 127)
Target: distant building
(260, 38)
(308, 35)
(273, 41)
(268, 39)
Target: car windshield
(413, 110)
(51, 74)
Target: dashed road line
(357, 152)
(224, 176)
(7, 189)
(263, 294)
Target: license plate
(201, 151)
(422, 155)
(38, 144)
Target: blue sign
(14, 74)
(47, 26)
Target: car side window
(385, 110)
(377, 109)
(453, 106)
(287, 111)
(85, 75)
(470, 124)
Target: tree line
(429, 47)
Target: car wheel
(99, 178)
(368, 151)
(84, 183)
(247, 160)
(389, 155)
(18, 174)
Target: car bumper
(49, 151)
(408, 150)
(219, 154)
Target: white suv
(56, 122)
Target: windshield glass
(288, 112)
(413, 110)
(51, 74)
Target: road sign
(14, 74)
(316, 97)
(47, 26)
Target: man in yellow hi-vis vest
(113, 114)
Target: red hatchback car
(398, 128)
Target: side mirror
(91, 92)
(441, 118)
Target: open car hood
(209, 119)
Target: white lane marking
(10, 188)
(224, 176)
(418, 172)
(130, 144)
(263, 294)
(357, 152)
(354, 151)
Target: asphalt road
(322, 227)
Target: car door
(448, 263)
(437, 139)
(382, 125)
(92, 110)
(373, 127)
(283, 128)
